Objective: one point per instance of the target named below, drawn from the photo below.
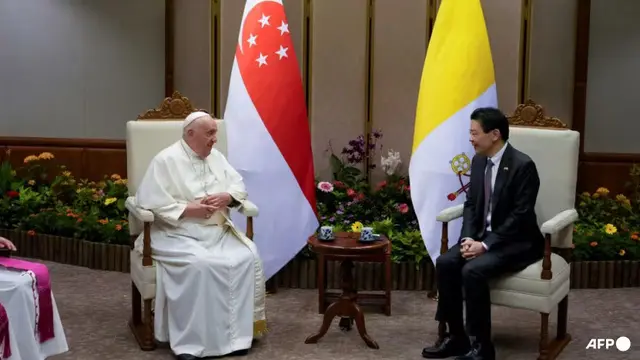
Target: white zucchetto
(192, 117)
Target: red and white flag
(269, 141)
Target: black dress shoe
(448, 347)
(239, 352)
(186, 357)
(480, 351)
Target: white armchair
(149, 134)
(545, 284)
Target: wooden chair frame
(531, 114)
(176, 107)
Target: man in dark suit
(500, 234)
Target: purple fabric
(5, 342)
(43, 286)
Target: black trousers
(454, 273)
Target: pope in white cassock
(210, 297)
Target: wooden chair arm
(546, 273)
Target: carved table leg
(347, 308)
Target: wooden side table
(348, 249)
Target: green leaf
(121, 204)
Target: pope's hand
(200, 210)
(218, 201)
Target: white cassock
(19, 300)
(210, 297)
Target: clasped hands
(471, 249)
(209, 204)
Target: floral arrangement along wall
(42, 197)
(609, 225)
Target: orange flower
(594, 244)
(118, 227)
(103, 221)
(31, 233)
(30, 158)
(634, 236)
(45, 156)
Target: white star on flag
(264, 21)
(268, 137)
(262, 60)
(284, 28)
(252, 40)
(282, 52)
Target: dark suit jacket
(514, 224)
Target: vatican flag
(457, 78)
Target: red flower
(382, 184)
(452, 196)
(360, 197)
(351, 192)
(338, 184)
(12, 194)
(403, 208)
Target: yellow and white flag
(457, 78)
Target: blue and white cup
(366, 234)
(326, 233)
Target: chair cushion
(526, 290)
(144, 277)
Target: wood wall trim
(581, 69)
(610, 158)
(169, 50)
(60, 142)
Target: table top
(347, 243)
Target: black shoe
(480, 351)
(239, 352)
(186, 357)
(448, 347)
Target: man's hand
(199, 210)
(7, 244)
(218, 201)
(471, 249)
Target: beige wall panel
(503, 18)
(230, 18)
(295, 16)
(400, 36)
(338, 78)
(613, 80)
(192, 74)
(551, 60)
